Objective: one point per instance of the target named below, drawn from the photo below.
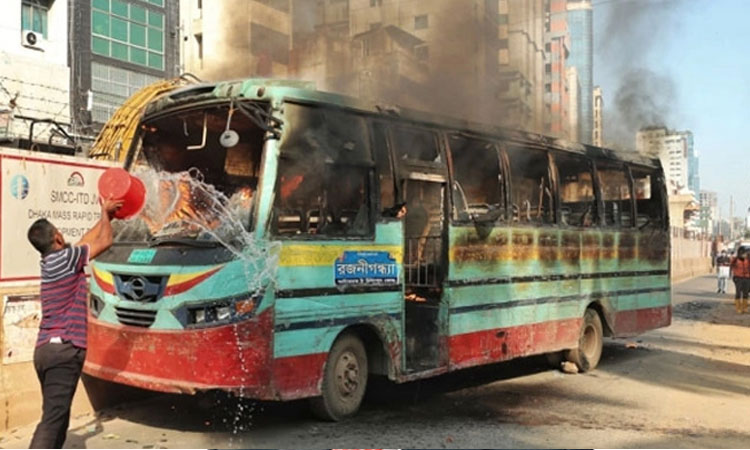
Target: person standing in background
(740, 266)
(722, 272)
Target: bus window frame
(615, 164)
(596, 222)
(370, 165)
(403, 167)
(389, 152)
(503, 219)
(551, 175)
(664, 207)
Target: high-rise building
(118, 47)
(671, 148)
(709, 211)
(598, 136)
(483, 62)
(694, 183)
(236, 38)
(574, 105)
(556, 44)
(34, 72)
(580, 26)
(522, 62)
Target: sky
(695, 53)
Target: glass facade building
(580, 27)
(120, 46)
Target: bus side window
(576, 184)
(324, 175)
(532, 198)
(478, 184)
(415, 144)
(328, 201)
(648, 199)
(615, 191)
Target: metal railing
(422, 261)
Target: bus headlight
(218, 313)
(223, 313)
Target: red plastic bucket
(118, 184)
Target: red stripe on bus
(185, 285)
(637, 321)
(499, 344)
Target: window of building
(421, 22)
(111, 86)
(128, 32)
(374, 3)
(34, 16)
(576, 185)
(415, 144)
(649, 201)
(532, 197)
(199, 45)
(422, 52)
(478, 188)
(615, 191)
(323, 186)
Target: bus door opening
(424, 270)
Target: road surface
(683, 386)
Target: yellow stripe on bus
(326, 255)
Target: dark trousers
(58, 367)
(741, 287)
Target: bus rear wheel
(344, 380)
(586, 356)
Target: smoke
(644, 98)
(635, 33)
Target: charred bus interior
(213, 154)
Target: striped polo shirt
(64, 292)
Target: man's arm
(99, 237)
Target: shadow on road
(696, 374)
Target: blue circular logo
(19, 187)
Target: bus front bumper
(233, 357)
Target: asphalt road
(683, 386)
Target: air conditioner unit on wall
(32, 39)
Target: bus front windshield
(201, 169)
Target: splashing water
(182, 205)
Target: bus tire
(344, 380)
(589, 351)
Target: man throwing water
(61, 344)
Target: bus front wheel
(344, 380)
(586, 356)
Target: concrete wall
(20, 394)
(690, 258)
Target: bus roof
(303, 91)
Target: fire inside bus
(295, 242)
